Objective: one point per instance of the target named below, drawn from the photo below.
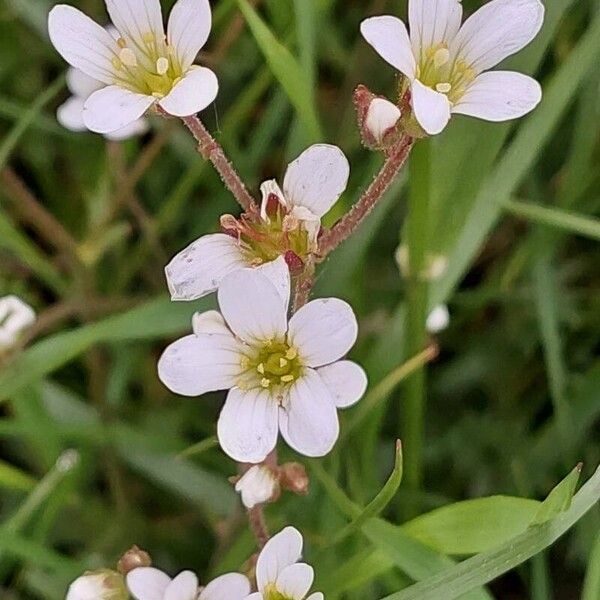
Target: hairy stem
(304, 285)
(348, 224)
(211, 150)
(256, 517)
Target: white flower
(283, 376)
(257, 486)
(438, 319)
(99, 585)
(148, 583)
(381, 117)
(279, 575)
(70, 114)
(141, 68)
(311, 186)
(445, 62)
(15, 317)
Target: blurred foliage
(513, 398)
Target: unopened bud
(258, 485)
(438, 319)
(132, 559)
(229, 225)
(381, 121)
(294, 478)
(99, 585)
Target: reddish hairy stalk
(211, 150)
(348, 224)
(256, 517)
(304, 285)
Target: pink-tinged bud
(132, 559)
(363, 97)
(258, 485)
(100, 585)
(294, 262)
(294, 478)
(229, 225)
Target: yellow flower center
(147, 67)
(271, 593)
(271, 366)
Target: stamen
(441, 57)
(121, 43)
(265, 382)
(128, 57)
(162, 65)
(443, 88)
(287, 378)
(282, 362)
(261, 368)
(291, 354)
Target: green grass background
(513, 399)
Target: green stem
(413, 404)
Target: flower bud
(294, 478)
(98, 585)
(438, 319)
(132, 559)
(381, 119)
(15, 317)
(258, 485)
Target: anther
(265, 382)
(282, 362)
(287, 378)
(128, 57)
(261, 368)
(121, 43)
(162, 65)
(443, 88)
(441, 57)
(291, 354)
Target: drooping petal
(247, 427)
(147, 583)
(70, 114)
(210, 321)
(497, 30)
(346, 382)
(197, 364)
(82, 85)
(199, 269)
(231, 586)
(389, 38)
(500, 96)
(137, 20)
(139, 127)
(308, 420)
(255, 596)
(278, 274)
(188, 29)
(323, 331)
(82, 42)
(252, 306)
(433, 22)
(316, 596)
(317, 178)
(431, 108)
(295, 581)
(282, 550)
(196, 90)
(113, 108)
(183, 587)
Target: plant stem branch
(211, 150)
(304, 285)
(256, 518)
(348, 224)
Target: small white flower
(445, 62)
(148, 583)
(382, 116)
(70, 114)
(257, 486)
(98, 585)
(143, 66)
(15, 317)
(282, 376)
(279, 575)
(311, 186)
(438, 319)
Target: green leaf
(473, 526)
(286, 70)
(559, 499)
(12, 478)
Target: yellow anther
(443, 88)
(261, 368)
(128, 57)
(162, 65)
(121, 43)
(291, 354)
(265, 382)
(441, 57)
(287, 378)
(283, 362)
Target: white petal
(295, 581)
(147, 583)
(346, 381)
(232, 586)
(252, 306)
(267, 189)
(500, 96)
(438, 319)
(389, 37)
(323, 331)
(196, 90)
(135, 19)
(278, 274)
(256, 486)
(308, 421)
(70, 114)
(113, 108)
(255, 596)
(91, 586)
(317, 178)
(189, 26)
(247, 427)
(82, 85)
(82, 42)
(316, 596)
(432, 109)
(381, 117)
(197, 364)
(433, 22)
(199, 269)
(280, 551)
(497, 30)
(183, 587)
(210, 321)
(139, 127)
